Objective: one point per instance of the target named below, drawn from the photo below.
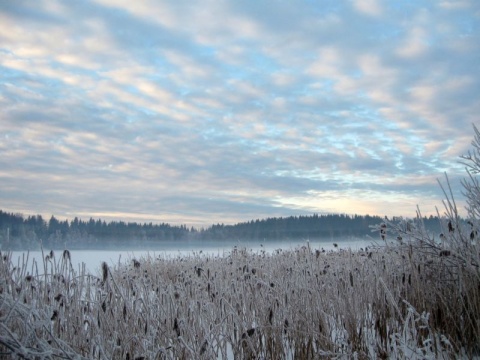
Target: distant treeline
(20, 232)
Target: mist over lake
(115, 256)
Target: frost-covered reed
(296, 304)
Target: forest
(19, 232)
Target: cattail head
(66, 255)
(204, 347)
(104, 271)
(175, 327)
(248, 333)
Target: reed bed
(305, 303)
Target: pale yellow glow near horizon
(371, 203)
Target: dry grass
(299, 304)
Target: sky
(222, 111)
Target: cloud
(200, 112)
(368, 7)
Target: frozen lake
(93, 258)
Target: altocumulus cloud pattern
(217, 110)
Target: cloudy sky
(198, 112)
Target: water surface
(93, 258)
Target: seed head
(66, 255)
(104, 271)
